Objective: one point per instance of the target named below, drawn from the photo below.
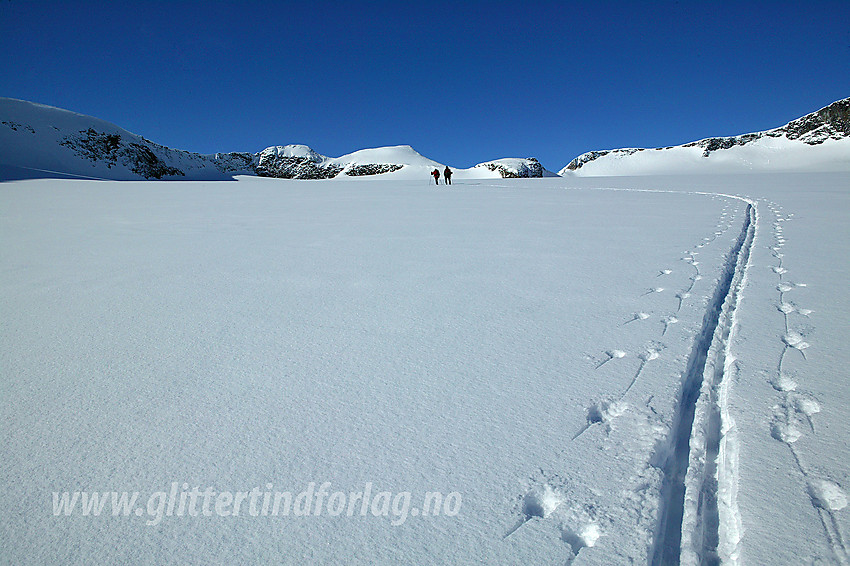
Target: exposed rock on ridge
(515, 168)
(831, 122)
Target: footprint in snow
(582, 537)
(807, 407)
(667, 322)
(664, 272)
(650, 354)
(827, 495)
(637, 316)
(610, 355)
(653, 290)
(786, 308)
(784, 431)
(794, 340)
(539, 502)
(783, 382)
(602, 412)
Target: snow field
(529, 344)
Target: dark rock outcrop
(372, 169)
(291, 167)
(111, 150)
(515, 168)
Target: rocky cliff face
(294, 162)
(112, 150)
(830, 123)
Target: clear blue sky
(462, 82)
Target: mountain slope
(36, 140)
(301, 162)
(819, 141)
(44, 138)
(516, 168)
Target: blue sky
(462, 82)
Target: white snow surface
(524, 343)
(760, 156)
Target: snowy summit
(36, 139)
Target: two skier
(447, 173)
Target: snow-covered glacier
(589, 371)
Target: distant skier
(436, 174)
(448, 175)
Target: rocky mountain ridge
(36, 139)
(510, 168)
(829, 123)
(39, 138)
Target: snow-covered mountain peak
(819, 141)
(37, 139)
(512, 167)
(294, 150)
(398, 154)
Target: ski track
(698, 512)
(794, 407)
(695, 463)
(698, 521)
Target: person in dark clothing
(448, 175)
(436, 174)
